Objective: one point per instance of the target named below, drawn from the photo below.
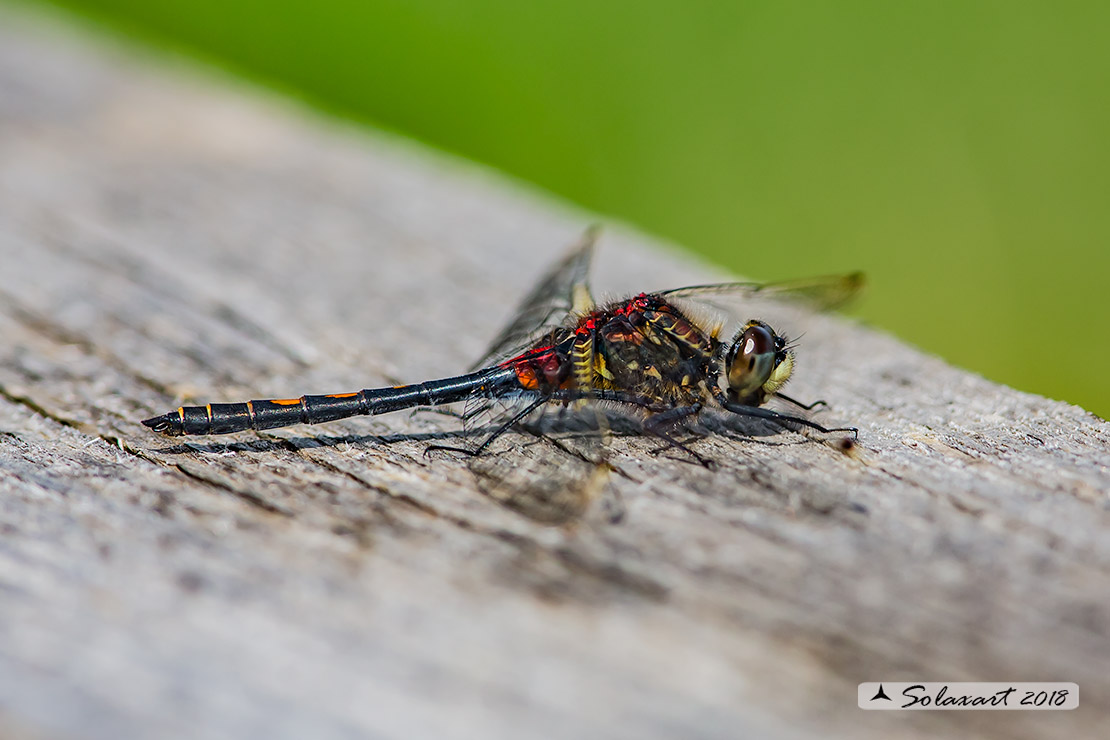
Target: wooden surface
(168, 236)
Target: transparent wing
(550, 469)
(550, 465)
(726, 304)
(543, 456)
(824, 293)
(563, 290)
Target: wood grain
(169, 236)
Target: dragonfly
(648, 354)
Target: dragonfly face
(757, 364)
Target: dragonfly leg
(799, 404)
(680, 445)
(496, 433)
(671, 415)
(657, 426)
(663, 415)
(762, 413)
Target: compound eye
(757, 340)
(751, 363)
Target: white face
(758, 364)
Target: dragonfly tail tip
(163, 424)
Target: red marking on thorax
(536, 369)
(639, 303)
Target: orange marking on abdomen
(285, 401)
(342, 395)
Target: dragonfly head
(758, 364)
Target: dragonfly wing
(562, 291)
(825, 293)
(550, 465)
(547, 470)
(723, 305)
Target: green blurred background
(959, 152)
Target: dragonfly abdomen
(225, 418)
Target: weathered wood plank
(166, 238)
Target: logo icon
(880, 694)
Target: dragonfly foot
(446, 448)
(799, 404)
(701, 460)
